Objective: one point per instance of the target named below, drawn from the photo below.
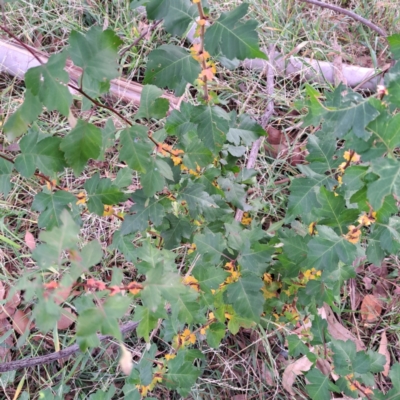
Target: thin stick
(136, 41)
(38, 174)
(20, 42)
(264, 120)
(67, 352)
(349, 13)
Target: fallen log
(313, 70)
(15, 60)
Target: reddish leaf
(51, 285)
(114, 290)
(67, 319)
(95, 284)
(30, 240)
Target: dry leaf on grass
(20, 321)
(371, 309)
(380, 291)
(379, 270)
(125, 362)
(30, 240)
(301, 365)
(367, 283)
(67, 319)
(337, 330)
(383, 349)
(9, 308)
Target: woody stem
(203, 61)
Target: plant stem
(203, 61)
(38, 174)
(136, 41)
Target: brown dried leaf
(383, 349)
(9, 308)
(380, 291)
(20, 322)
(367, 283)
(292, 370)
(67, 319)
(267, 374)
(125, 362)
(30, 240)
(379, 270)
(371, 309)
(14, 301)
(337, 330)
(275, 136)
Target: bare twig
(264, 119)
(136, 41)
(38, 174)
(67, 352)
(21, 43)
(349, 13)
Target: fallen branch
(67, 352)
(349, 13)
(16, 61)
(321, 71)
(314, 71)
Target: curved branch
(67, 352)
(349, 13)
